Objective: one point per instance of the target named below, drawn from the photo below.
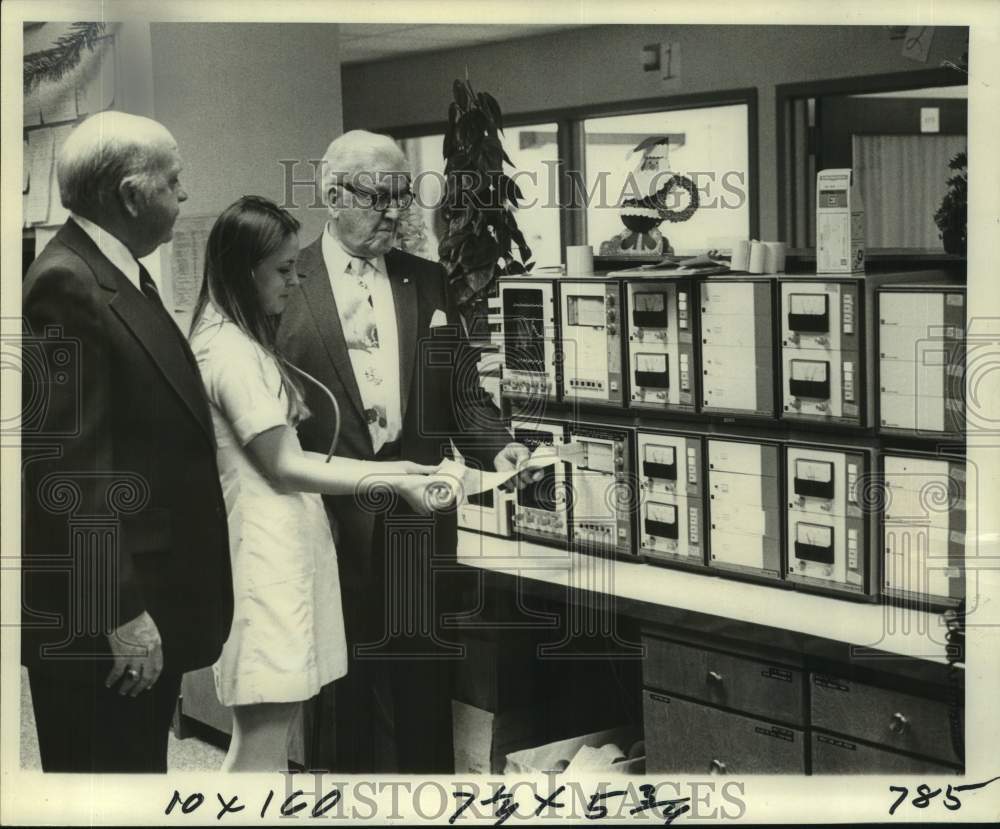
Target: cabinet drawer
(684, 736)
(838, 755)
(878, 715)
(732, 681)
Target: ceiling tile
(373, 41)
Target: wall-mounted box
(921, 360)
(523, 319)
(737, 346)
(924, 527)
(590, 341)
(671, 503)
(662, 338)
(744, 507)
(831, 528)
(826, 361)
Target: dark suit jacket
(441, 398)
(123, 511)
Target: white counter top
(895, 630)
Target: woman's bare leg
(260, 737)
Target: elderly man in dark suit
(375, 325)
(127, 581)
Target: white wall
(600, 65)
(240, 96)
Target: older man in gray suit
(375, 324)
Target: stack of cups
(579, 260)
(758, 257)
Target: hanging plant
(952, 216)
(480, 202)
(53, 64)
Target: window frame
(571, 144)
(784, 96)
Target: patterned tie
(370, 377)
(361, 269)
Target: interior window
(534, 149)
(707, 144)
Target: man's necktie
(371, 379)
(152, 293)
(149, 286)
(361, 270)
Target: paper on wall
(32, 109)
(187, 256)
(59, 105)
(57, 213)
(40, 150)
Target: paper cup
(579, 260)
(741, 255)
(756, 257)
(774, 257)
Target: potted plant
(952, 216)
(479, 205)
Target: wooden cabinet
(751, 685)
(683, 736)
(885, 717)
(710, 708)
(833, 754)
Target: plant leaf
(494, 110)
(461, 95)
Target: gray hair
(360, 151)
(102, 152)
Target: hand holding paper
(467, 481)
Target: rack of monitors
(687, 408)
(794, 349)
(843, 519)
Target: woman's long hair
(247, 232)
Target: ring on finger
(132, 673)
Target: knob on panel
(899, 723)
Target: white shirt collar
(336, 257)
(112, 247)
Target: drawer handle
(715, 676)
(716, 767)
(899, 723)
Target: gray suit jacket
(440, 396)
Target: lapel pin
(406, 280)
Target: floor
(190, 754)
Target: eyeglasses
(379, 200)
